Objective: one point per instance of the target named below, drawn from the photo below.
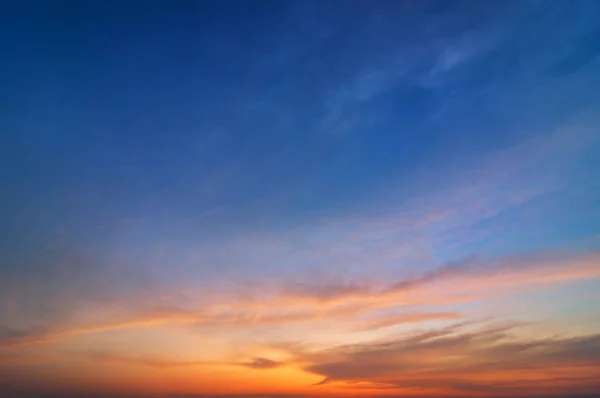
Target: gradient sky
(299, 198)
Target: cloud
(262, 363)
(492, 358)
(237, 396)
(21, 392)
(258, 363)
(326, 292)
(464, 281)
(12, 339)
(486, 277)
(515, 270)
(143, 361)
(550, 395)
(406, 318)
(325, 275)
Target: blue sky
(213, 150)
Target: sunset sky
(299, 199)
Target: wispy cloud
(143, 361)
(325, 275)
(465, 281)
(262, 363)
(460, 361)
(379, 322)
(12, 338)
(258, 363)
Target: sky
(299, 199)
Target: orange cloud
(399, 319)
(472, 279)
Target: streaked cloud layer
(300, 199)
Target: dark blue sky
(117, 110)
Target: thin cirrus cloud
(475, 280)
(140, 361)
(262, 363)
(106, 357)
(387, 240)
(402, 319)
